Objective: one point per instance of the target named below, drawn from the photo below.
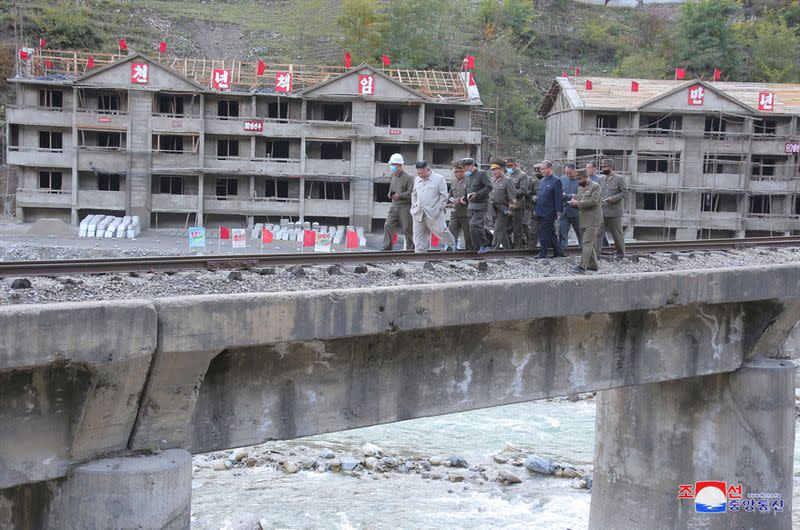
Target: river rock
(336, 465)
(371, 463)
(455, 461)
(540, 464)
(348, 463)
(403, 468)
(390, 462)
(327, 454)
(505, 477)
(290, 467)
(424, 464)
(250, 462)
(219, 465)
(21, 283)
(455, 477)
(500, 459)
(237, 455)
(559, 472)
(369, 449)
(436, 460)
(571, 472)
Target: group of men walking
(507, 208)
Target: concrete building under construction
(702, 159)
(185, 141)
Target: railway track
(247, 261)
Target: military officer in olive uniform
(503, 202)
(522, 184)
(459, 220)
(588, 202)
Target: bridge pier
(152, 491)
(736, 427)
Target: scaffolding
(57, 64)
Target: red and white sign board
(793, 147)
(283, 82)
(766, 101)
(697, 95)
(139, 73)
(366, 85)
(395, 131)
(239, 238)
(221, 79)
(254, 125)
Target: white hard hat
(396, 158)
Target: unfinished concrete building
(702, 159)
(185, 141)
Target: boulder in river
(348, 463)
(540, 464)
(369, 449)
(327, 454)
(455, 461)
(290, 467)
(506, 477)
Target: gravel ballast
(290, 278)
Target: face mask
(468, 173)
(509, 170)
(392, 167)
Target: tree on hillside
(704, 37)
(775, 52)
(648, 64)
(497, 17)
(363, 29)
(423, 34)
(66, 26)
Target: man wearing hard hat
(400, 212)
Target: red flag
(309, 238)
(261, 67)
(589, 85)
(471, 80)
(23, 55)
(48, 63)
(717, 74)
(394, 239)
(470, 60)
(162, 47)
(434, 240)
(680, 73)
(90, 63)
(266, 236)
(352, 239)
(224, 233)
(42, 43)
(577, 71)
(386, 60)
(347, 59)
(122, 44)
(563, 73)
(634, 86)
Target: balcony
(730, 181)
(239, 165)
(769, 222)
(44, 198)
(39, 116)
(452, 136)
(251, 205)
(165, 202)
(316, 166)
(166, 123)
(720, 220)
(730, 144)
(773, 185)
(327, 208)
(175, 160)
(330, 129)
(92, 119)
(768, 145)
(660, 143)
(34, 156)
(657, 180)
(668, 218)
(391, 134)
(107, 200)
(235, 127)
(102, 158)
(603, 139)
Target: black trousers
(547, 236)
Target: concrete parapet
(737, 428)
(70, 380)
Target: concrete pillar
(153, 491)
(736, 427)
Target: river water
(562, 430)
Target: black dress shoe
(579, 270)
(540, 256)
(592, 269)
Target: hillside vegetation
(519, 45)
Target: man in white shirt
(428, 202)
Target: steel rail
(249, 261)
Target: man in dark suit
(549, 206)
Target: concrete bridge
(102, 403)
